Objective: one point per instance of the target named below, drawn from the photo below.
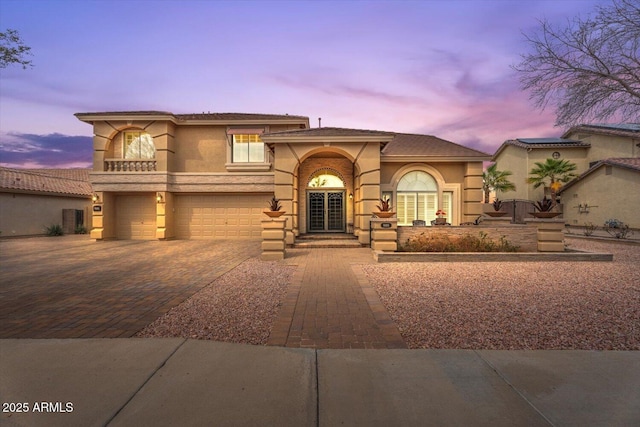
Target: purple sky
(432, 67)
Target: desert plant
(54, 230)
(493, 179)
(80, 229)
(589, 228)
(497, 205)
(553, 172)
(617, 229)
(385, 205)
(544, 205)
(274, 204)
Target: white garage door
(219, 216)
(136, 217)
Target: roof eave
(432, 159)
(91, 118)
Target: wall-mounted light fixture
(95, 198)
(159, 197)
(350, 196)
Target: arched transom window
(138, 145)
(417, 198)
(325, 178)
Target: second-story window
(138, 145)
(248, 148)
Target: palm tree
(493, 179)
(552, 172)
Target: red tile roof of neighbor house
(53, 181)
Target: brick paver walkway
(75, 287)
(330, 304)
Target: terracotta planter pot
(496, 213)
(384, 214)
(441, 221)
(274, 214)
(545, 214)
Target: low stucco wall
(524, 236)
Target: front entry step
(327, 240)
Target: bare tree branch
(589, 69)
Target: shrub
(55, 230)
(617, 229)
(80, 229)
(440, 242)
(589, 228)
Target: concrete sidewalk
(168, 382)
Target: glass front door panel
(326, 211)
(316, 211)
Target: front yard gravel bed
(516, 305)
(240, 306)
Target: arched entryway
(326, 202)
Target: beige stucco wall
(614, 196)
(520, 162)
(29, 214)
(608, 146)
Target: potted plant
(543, 208)
(441, 217)
(274, 208)
(384, 209)
(497, 205)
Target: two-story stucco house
(158, 175)
(607, 159)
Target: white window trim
(232, 166)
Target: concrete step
(327, 240)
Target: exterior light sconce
(95, 198)
(584, 207)
(159, 198)
(350, 196)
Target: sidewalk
(169, 382)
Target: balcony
(130, 165)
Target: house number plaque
(385, 225)
(97, 208)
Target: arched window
(325, 178)
(138, 145)
(417, 198)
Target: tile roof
(197, 116)
(625, 162)
(56, 181)
(405, 144)
(331, 132)
(540, 143)
(632, 163)
(631, 130)
(402, 144)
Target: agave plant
(497, 204)
(544, 205)
(385, 205)
(274, 204)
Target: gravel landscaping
(517, 305)
(239, 307)
(447, 305)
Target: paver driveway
(75, 287)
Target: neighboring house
(594, 149)
(33, 199)
(159, 175)
(610, 189)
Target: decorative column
(97, 220)
(273, 239)
(550, 235)
(384, 234)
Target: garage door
(219, 216)
(136, 217)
